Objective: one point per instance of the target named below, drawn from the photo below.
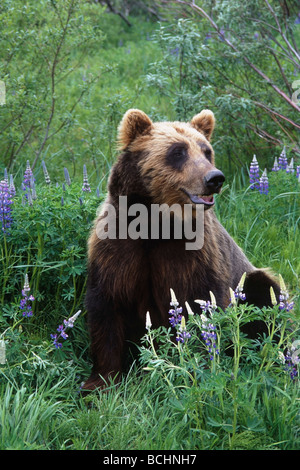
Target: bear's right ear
(133, 124)
(204, 122)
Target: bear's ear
(204, 122)
(133, 124)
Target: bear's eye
(177, 155)
(206, 150)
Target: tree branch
(203, 13)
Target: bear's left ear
(204, 122)
(133, 124)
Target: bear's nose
(213, 180)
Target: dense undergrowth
(177, 397)
(180, 396)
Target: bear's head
(170, 162)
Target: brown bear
(160, 163)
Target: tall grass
(175, 397)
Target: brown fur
(128, 277)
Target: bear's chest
(147, 272)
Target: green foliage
(228, 58)
(176, 398)
(266, 226)
(226, 402)
(70, 73)
(38, 107)
(47, 241)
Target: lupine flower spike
(148, 321)
(284, 303)
(212, 302)
(176, 311)
(208, 333)
(5, 207)
(238, 293)
(62, 330)
(46, 174)
(290, 167)
(264, 183)
(283, 160)
(273, 296)
(232, 296)
(12, 188)
(188, 308)
(5, 175)
(67, 176)
(292, 360)
(254, 173)
(275, 166)
(182, 335)
(86, 186)
(208, 306)
(28, 178)
(25, 303)
(204, 305)
(298, 171)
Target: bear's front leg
(106, 328)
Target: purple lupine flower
(67, 176)
(62, 330)
(5, 206)
(182, 334)
(175, 312)
(208, 307)
(290, 167)
(33, 190)
(208, 329)
(46, 174)
(28, 178)
(25, 303)
(275, 166)
(284, 303)
(292, 363)
(254, 173)
(291, 360)
(86, 186)
(239, 293)
(298, 171)
(177, 320)
(208, 333)
(175, 316)
(12, 188)
(264, 183)
(283, 160)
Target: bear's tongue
(207, 198)
(197, 199)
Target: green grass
(179, 402)
(174, 399)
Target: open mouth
(199, 199)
